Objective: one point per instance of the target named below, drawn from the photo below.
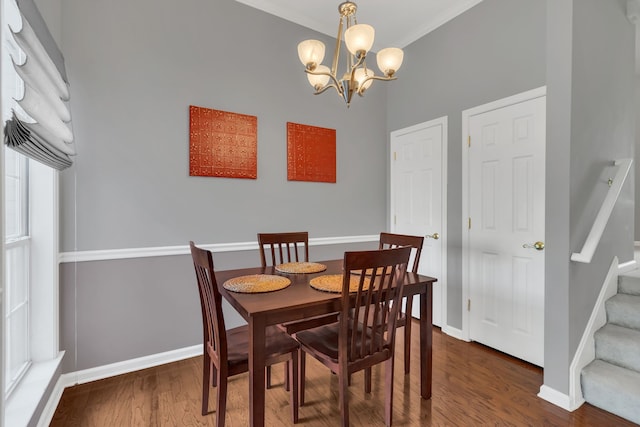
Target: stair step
(618, 345)
(629, 284)
(612, 388)
(624, 310)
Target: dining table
(300, 301)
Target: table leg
(256, 372)
(426, 341)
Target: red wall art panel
(222, 144)
(311, 153)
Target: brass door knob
(538, 246)
(434, 236)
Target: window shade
(45, 133)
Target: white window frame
(20, 407)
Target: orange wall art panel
(311, 153)
(222, 144)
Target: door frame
(443, 122)
(466, 117)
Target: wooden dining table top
(282, 305)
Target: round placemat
(301, 267)
(333, 283)
(256, 283)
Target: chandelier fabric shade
(41, 128)
(358, 39)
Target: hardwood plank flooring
(472, 386)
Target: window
(17, 239)
(17, 249)
(30, 209)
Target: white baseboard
(106, 371)
(454, 332)
(554, 396)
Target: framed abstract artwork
(222, 144)
(311, 153)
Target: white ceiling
(397, 22)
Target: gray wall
(494, 50)
(591, 112)
(135, 67)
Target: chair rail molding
(126, 253)
(593, 238)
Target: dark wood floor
(472, 386)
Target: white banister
(593, 239)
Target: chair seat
(323, 340)
(311, 322)
(277, 343)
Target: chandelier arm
(335, 83)
(323, 89)
(359, 62)
(352, 72)
(374, 77)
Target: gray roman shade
(45, 133)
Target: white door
(418, 155)
(505, 189)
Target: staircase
(612, 381)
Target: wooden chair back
(369, 337)
(284, 247)
(215, 337)
(391, 240)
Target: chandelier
(357, 77)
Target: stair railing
(593, 238)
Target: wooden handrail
(593, 238)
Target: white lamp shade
(319, 80)
(311, 52)
(360, 75)
(389, 60)
(359, 38)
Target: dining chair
(226, 352)
(284, 247)
(356, 342)
(389, 241)
(280, 248)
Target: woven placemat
(301, 267)
(256, 283)
(333, 283)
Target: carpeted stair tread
(629, 285)
(624, 310)
(612, 388)
(618, 345)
